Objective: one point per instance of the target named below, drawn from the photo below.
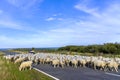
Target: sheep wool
(19, 60)
(25, 65)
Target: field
(9, 71)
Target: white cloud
(9, 24)
(50, 19)
(1, 11)
(54, 14)
(58, 14)
(53, 19)
(62, 30)
(24, 4)
(60, 19)
(85, 8)
(6, 21)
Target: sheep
(99, 63)
(119, 64)
(113, 64)
(47, 60)
(55, 62)
(41, 60)
(15, 58)
(25, 64)
(100, 57)
(74, 62)
(66, 60)
(88, 62)
(62, 63)
(83, 62)
(8, 57)
(36, 61)
(19, 60)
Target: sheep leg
(84, 65)
(72, 65)
(30, 67)
(104, 68)
(88, 64)
(112, 69)
(67, 64)
(94, 67)
(54, 66)
(23, 68)
(116, 70)
(20, 69)
(57, 65)
(100, 68)
(75, 65)
(62, 66)
(80, 65)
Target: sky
(56, 23)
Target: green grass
(10, 71)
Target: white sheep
(99, 63)
(74, 62)
(41, 60)
(19, 60)
(67, 62)
(55, 62)
(113, 64)
(25, 64)
(83, 62)
(62, 63)
(8, 57)
(47, 60)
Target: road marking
(113, 74)
(46, 74)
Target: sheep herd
(62, 60)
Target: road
(70, 73)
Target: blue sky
(56, 23)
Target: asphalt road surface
(70, 73)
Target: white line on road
(113, 74)
(46, 74)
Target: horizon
(58, 47)
(57, 23)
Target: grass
(94, 54)
(104, 55)
(9, 71)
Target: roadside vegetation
(10, 71)
(107, 50)
(26, 50)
